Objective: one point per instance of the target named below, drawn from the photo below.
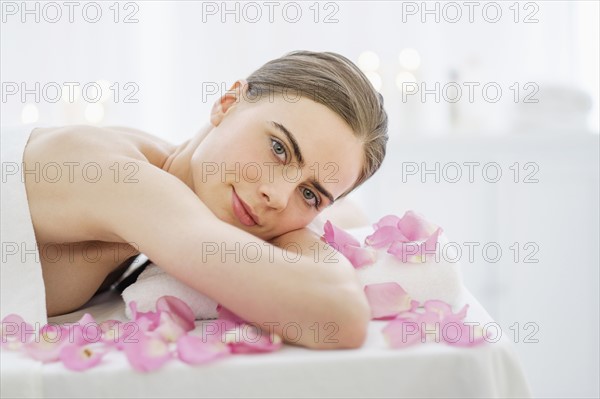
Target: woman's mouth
(242, 211)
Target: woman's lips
(240, 211)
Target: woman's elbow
(351, 326)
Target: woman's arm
(281, 291)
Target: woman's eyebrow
(298, 155)
(292, 139)
(326, 193)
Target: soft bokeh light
(404, 77)
(410, 59)
(375, 80)
(94, 113)
(368, 61)
(30, 114)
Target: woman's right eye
(279, 149)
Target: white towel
(22, 288)
(22, 285)
(433, 279)
(155, 282)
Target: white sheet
(22, 289)
(425, 370)
(22, 286)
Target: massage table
(428, 369)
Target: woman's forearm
(299, 288)
(348, 296)
(305, 285)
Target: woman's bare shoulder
(75, 171)
(90, 142)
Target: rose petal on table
(348, 246)
(415, 227)
(441, 308)
(416, 252)
(400, 333)
(48, 343)
(79, 358)
(117, 334)
(251, 339)
(147, 354)
(180, 312)
(457, 333)
(169, 330)
(359, 256)
(146, 321)
(384, 236)
(227, 319)
(15, 332)
(337, 237)
(387, 300)
(388, 220)
(84, 331)
(198, 350)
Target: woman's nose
(276, 194)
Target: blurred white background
(536, 122)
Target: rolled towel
(433, 279)
(155, 282)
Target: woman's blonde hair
(334, 81)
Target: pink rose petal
(241, 336)
(227, 319)
(251, 339)
(440, 308)
(337, 237)
(196, 350)
(84, 331)
(389, 220)
(402, 333)
(387, 300)
(148, 354)
(46, 346)
(384, 236)
(79, 358)
(348, 246)
(168, 330)
(414, 252)
(180, 312)
(146, 321)
(436, 324)
(359, 256)
(15, 332)
(117, 334)
(415, 227)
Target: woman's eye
(309, 195)
(278, 149)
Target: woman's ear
(227, 101)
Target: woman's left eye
(278, 149)
(312, 198)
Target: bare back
(78, 258)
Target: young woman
(226, 211)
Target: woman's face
(271, 166)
